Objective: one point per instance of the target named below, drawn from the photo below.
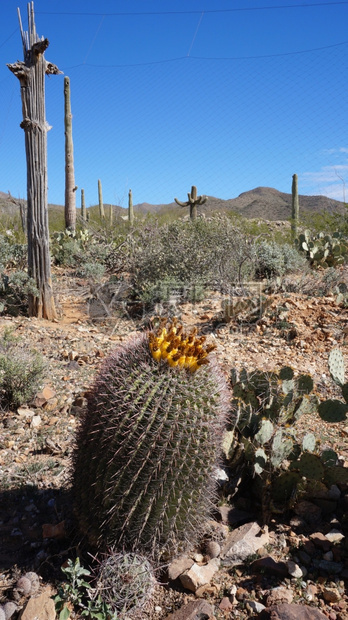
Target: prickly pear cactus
(149, 442)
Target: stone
(243, 542)
(40, 607)
(195, 610)
(331, 595)
(279, 595)
(226, 604)
(320, 541)
(35, 421)
(198, 576)
(178, 566)
(234, 516)
(334, 536)
(270, 565)
(254, 606)
(294, 569)
(9, 609)
(291, 611)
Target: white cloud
(331, 181)
(341, 149)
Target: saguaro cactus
(70, 187)
(83, 206)
(130, 208)
(100, 198)
(193, 202)
(295, 207)
(31, 74)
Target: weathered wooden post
(193, 202)
(70, 187)
(31, 74)
(295, 207)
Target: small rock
(9, 609)
(255, 606)
(198, 576)
(332, 568)
(311, 592)
(35, 421)
(304, 557)
(294, 569)
(40, 607)
(328, 556)
(241, 593)
(269, 565)
(334, 492)
(195, 610)
(226, 604)
(2, 613)
(309, 512)
(178, 566)
(331, 595)
(291, 611)
(279, 595)
(320, 541)
(242, 542)
(334, 536)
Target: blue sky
(226, 95)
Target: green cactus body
(147, 448)
(333, 410)
(336, 366)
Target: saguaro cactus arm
(193, 201)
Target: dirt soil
(37, 530)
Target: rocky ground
(297, 566)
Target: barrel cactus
(149, 442)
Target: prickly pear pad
(146, 450)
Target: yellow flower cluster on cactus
(171, 344)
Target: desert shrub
(273, 259)
(170, 290)
(15, 287)
(91, 271)
(65, 250)
(20, 371)
(210, 251)
(12, 254)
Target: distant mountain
(262, 203)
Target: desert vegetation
(151, 489)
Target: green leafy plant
(20, 371)
(77, 595)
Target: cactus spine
(130, 208)
(83, 206)
(295, 207)
(149, 442)
(70, 187)
(193, 202)
(100, 198)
